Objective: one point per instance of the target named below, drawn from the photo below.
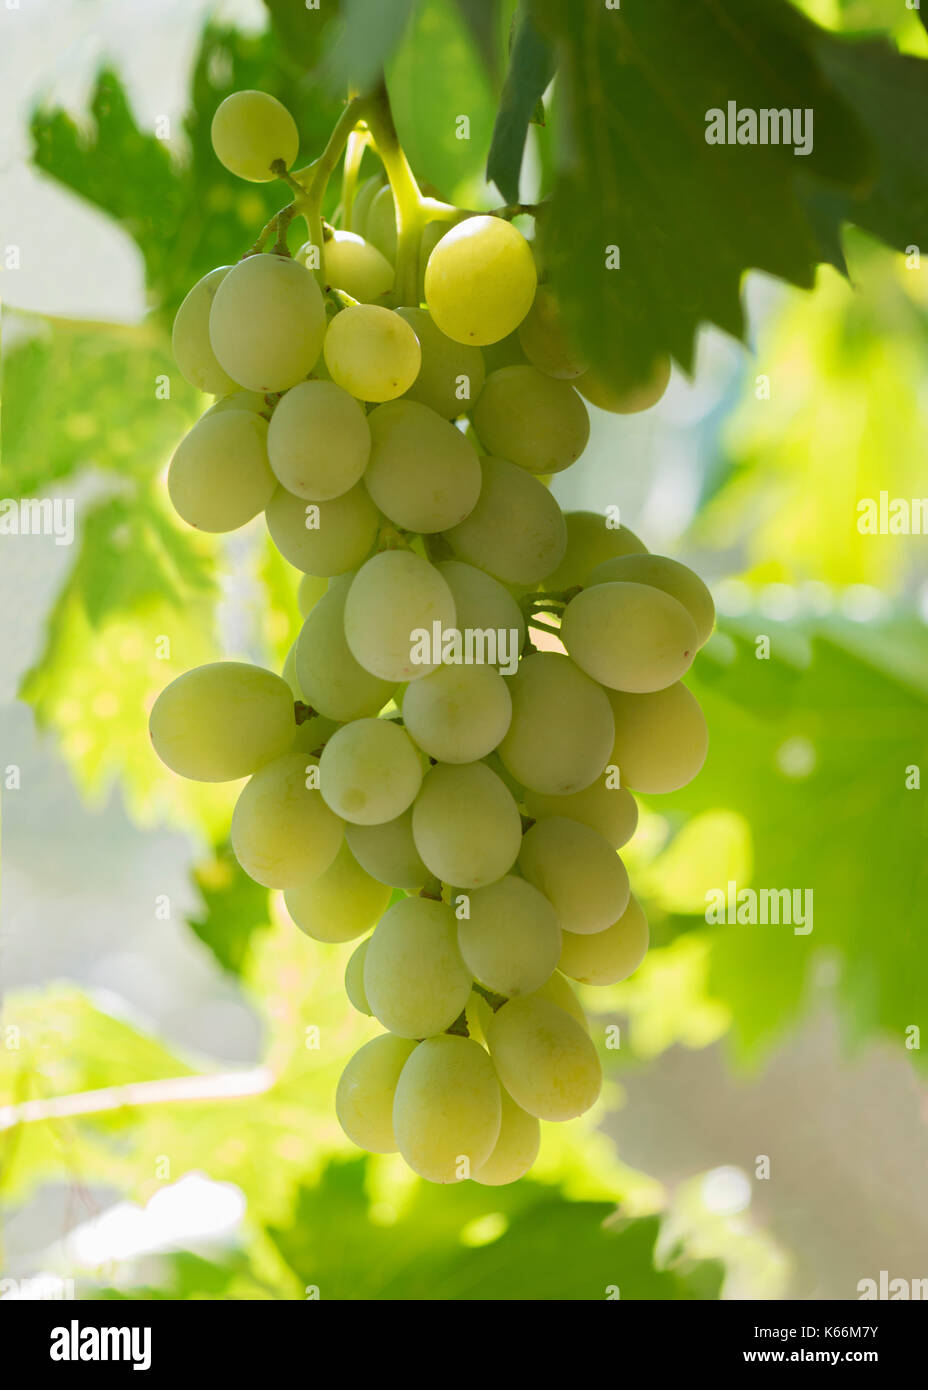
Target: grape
(557, 991)
(289, 673)
(507, 352)
(354, 978)
(477, 1015)
(219, 477)
(190, 337)
(452, 374)
(331, 680)
(388, 852)
(370, 771)
(447, 1109)
(414, 977)
(578, 871)
(255, 401)
(466, 825)
(267, 323)
(516, 531)
(482, 604)
(661, 739)
(590, 541)
(323, 538)
(250, 132)
(544, 338)
(531, 419)
(340, 904)
(629, 636)
(283, 833)
(669, 575)
(362, 203)
(611, 811)
(480, 280)
(458, 714)
(511, 942)
(394, 595)
(562, 729)
(312, 587)
(516, 1148)
(423, 474)
(380, 229)
(630, 398)
(607, 956)
(544, 1058)
(319, 441)
(364, 1097)
(312, 735)
(355, 266)
(222, 721)
(372, 352)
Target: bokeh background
(132, 950)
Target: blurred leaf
(302, 30)
(281, 619)
(234, 908)
(365, 40)
(483, 18)
(531, 68)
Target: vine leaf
(531, 68)
(482, 18)
(234, 908)
(364, 41)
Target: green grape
(447, 1109)
(562, 729)
(219, 477)
(544, 1059)
(372, 352)
(482, 604)
(607, 956)
(466, 825)
(312, 735)
(342, 903)
(190, 337)
(531, 419)
(516, 531)
(432, 234)
(516, 1148)
(250, 132)
(394, 595)
(458, 714)
(380, 228)
(362, 203)
(452, 374)
(414, 977)
(480, 280)
(354, 978)
(630, 398)
(319, 441)
(312, 587)
(661, 739)
(423, 474)
(544, 338)
(254, 401)
(477, 1015)
(629, 636)
(222, 721)
(289, 674)
(507, 352)
(331, 680)
(578, 871)
(557, 991)
(323, 538)
(355, 266)
(267, 323)
(611, 811)
(364, 1096)
(589, 541)
(282, 832)
(511, 942)
(674, 579)
(370, 771)
(388, 852)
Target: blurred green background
(134, 953)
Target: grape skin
(629, 636)
(193, 352)
(282, 831)
(630, 399)
(578, 872)
(364, 1096)
(611, 811)
(562, 728)
(511, 941)
(516, 1148)
(661, 739)
(267, 323)
(414, 977)
(250, 132)
(388, 852)
(607, 956)
(339, 905)
(671, 577)
(482, 604)
(369, 772)
(255, 727)
(220, 478)
(447, 1109)
(423, 474)
(330, 679)
(458, 714)
(589, 542)
(357, 267)
(346, 531)
(395, 594)
(354, 978)
(544, 1058)
(319, 441)
(480, 280)
(372, 352)
(516, 531)
(532, 420)
(466, 825)
(447, 368)
(545, 341)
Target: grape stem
(303, 712)
(459, 1026)
(495, 1001)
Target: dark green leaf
(482, 18)
(234, 908)
(531, 67)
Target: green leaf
(531, 68)
(234, 909)
(484, 19)
(365, 41)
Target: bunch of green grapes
(443, 772)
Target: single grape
(466, 825)
(516, 1148)
(250, 132)
(388, 852)
(589, 541)
(557, 991)
(484, 605)
(611, 811)
(380, 228)
(362, 203)
(312, 587)
(222, 721)
(562, 730)
(661, 739)
(220, 477)
(544, 1058)
(323, 538)
(193, 352)
(319, 441)
(267, 323)
(357, 267)
(364, 1097)
(629, 636)
(511, 941)
(414, 977)
(452, 374)
(282, 831)
(545, 341)
(370, 771)
(516, 531)
(372, 352)
(578, 871)
(395, 595)
(607, 956)
(354, 978)
(532, 420)
(630, 398)
(331, 680)
(342, 903)
(423, 474)
(480, 280)
(458, 714)
(447, 1109)
(674, 579)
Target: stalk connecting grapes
(444, 770)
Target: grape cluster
(400, 454)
